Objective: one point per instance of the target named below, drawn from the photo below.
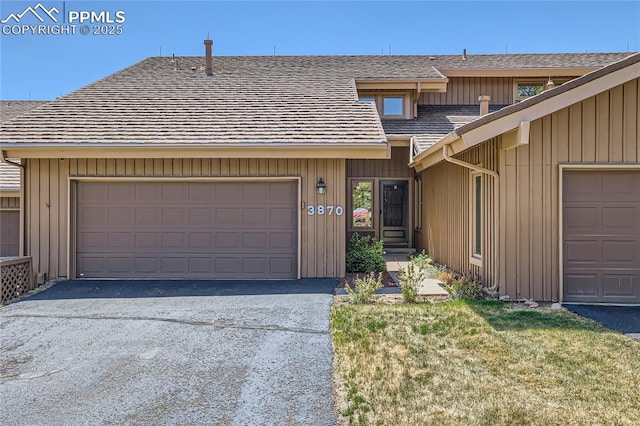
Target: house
(10, 185)
(262, 167)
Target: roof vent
(464, 54)
(432, 58)
(484, 104)
(208, 60)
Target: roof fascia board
(10, 193)
(357, 151)
(516, 72)
(436, 85)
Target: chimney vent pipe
(208, 60)
(464, 54)
(484, 104)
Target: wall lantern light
(321, 187)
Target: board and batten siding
(10, 203)
(446, 233)
(466, 90)
(322, 243)
(601, 130)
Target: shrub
(364, 289)
(446, 277)
(421, 260)
(465, 288)
(365, 255)
(410, 279)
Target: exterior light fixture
(321, 187)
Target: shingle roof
(434, 122)
(12, 109)
(9, 175)
(251, 99)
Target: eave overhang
(361, 150)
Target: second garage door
(234, 230)
(601, 228)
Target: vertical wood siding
(9, 203)
(322, 237)
(602, 129)
(446, 215)
(395, 167)
(465, 91)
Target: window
(393, 106)
(362, 204)
(390, 105)
(418, 203)
(476, 216)
(524, 89)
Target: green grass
(483, 363)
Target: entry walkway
(428, 286)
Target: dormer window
(394, 105)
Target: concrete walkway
(428, 287)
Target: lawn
(483, 363)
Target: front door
(393, 212)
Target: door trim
(72, 190)
(578, 167)
(407, 225)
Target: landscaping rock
(556, 306)
(531, 303)
(505, 298)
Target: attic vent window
(392, 106)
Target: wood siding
(446, 214)
(465, 91)
(322, 237)
(10, 203)
(395, 167)
(601, 130)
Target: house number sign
(321, 210)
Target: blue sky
(46, 66)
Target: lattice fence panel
(15, 278)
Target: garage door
(9, 232)
(231, 230)
(601, 226)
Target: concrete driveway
(625, 319)
(168, 352)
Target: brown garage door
(9, 232)
(601, 236)
(187, 229)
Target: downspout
(496, 205)
(4, 159)
(417, 99)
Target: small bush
(421, 260)
(365, 255)
(464, 288)
(410, 279)
(364, 289)
(446, 277)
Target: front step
(396, 250)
